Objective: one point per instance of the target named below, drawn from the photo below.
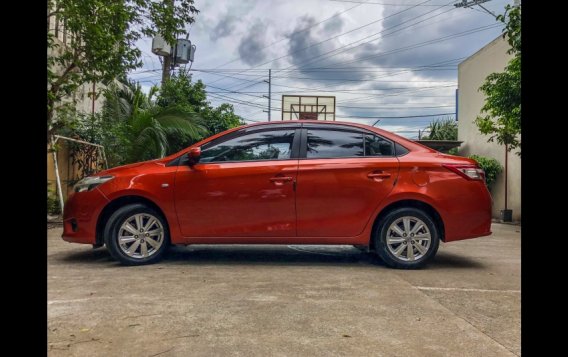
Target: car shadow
(273, 255)
(86, 256)
(267, 255)
(444, 260)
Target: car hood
(128, 168)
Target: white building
(471, 75)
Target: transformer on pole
(182, 52)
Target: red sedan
(288, 182)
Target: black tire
(402, 262)
(113, 229)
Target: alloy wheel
(408, 238)
(141, 236)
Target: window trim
(363, 132)
(299, 144)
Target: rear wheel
(406, 238)
(136, 234)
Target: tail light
(469, 172)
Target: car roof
(409, 144)
(300, 123)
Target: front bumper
(82, 210)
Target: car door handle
(281, 179)
(379, 175)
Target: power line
(426, 43)
(390, 117)
(346, 48)
(410, 69)
(421, 44)
(378, 3)
(396, 108)
(263, 70)
(295, 32)
(327, 55)
(341, 34)
(365, 80)
(238, 101)
(355, 90)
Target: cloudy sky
(385, 59)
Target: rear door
(343, 175)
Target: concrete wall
(471, 75)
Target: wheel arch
(413, 203)
(115, 204)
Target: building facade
(471, 74)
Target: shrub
(52, 203)
(491, 167)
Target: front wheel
(406, 238)
(136, 234)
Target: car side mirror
(193, 156)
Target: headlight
(89, 183)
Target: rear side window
(334, 143)
(377, 146)
(400, 150)
(263, 145)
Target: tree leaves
(101, 40)
(500, 117)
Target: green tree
(221, 118)
(501, 113)
(181, 92)
(102, 35)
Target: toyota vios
(288, 182)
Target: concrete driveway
(286, 301)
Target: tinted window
(400, 150)
(377, 146)
(334, 143)
(264, 145)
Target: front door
(242, 187)
(342, 179)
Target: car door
(343, 175)
(243, 186)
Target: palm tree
(442, 129)
(146, 125)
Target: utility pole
(470, 3)
(269, 96)
(167, 59)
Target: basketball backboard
(310, 107)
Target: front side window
(334, 143)
(262, 145)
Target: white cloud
(237, 31)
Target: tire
(395, 251)
(146, 247)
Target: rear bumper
(470, 214)
(80, 216)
